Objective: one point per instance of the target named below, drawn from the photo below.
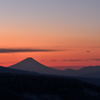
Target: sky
(59, 33)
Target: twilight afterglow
(67, 30)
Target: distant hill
(90, 74)
(90, 71)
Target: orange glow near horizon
(72, 58)
(74, 45)
(70, 26)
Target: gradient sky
(72, 26)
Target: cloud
(80, 60)
(72, 60)
(96, 59)
(88, 51)
(7, 50)
(75, 60)
(66, 60)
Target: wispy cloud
(12, 50)
(96, 59)
(66, 60)
(72, 60)
(88, 51)
(80, 60)
(75, 60)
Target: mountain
(90, 74)
(21, 82)
(32, 65)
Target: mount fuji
(30, 64)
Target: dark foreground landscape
(16, 84)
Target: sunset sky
(67, 30)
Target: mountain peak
(29, 59)
(32, 65)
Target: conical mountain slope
(32, 65)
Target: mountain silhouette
(22, 82)
(90, 71)
(30, 64)
(90, 74)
